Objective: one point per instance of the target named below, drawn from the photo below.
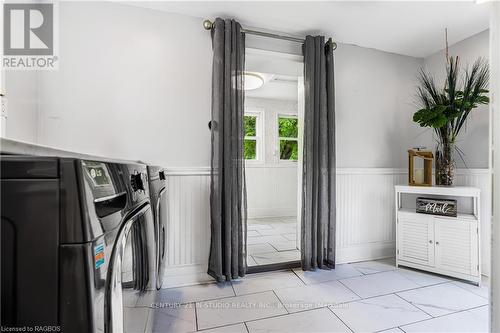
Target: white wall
(374, 108)
(271, 184)
(135, 83)
(474, 139)
(21, 90)
(132, 83)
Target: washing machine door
(132, 272)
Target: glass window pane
(289, 150)
(250, 124)
(288, 127)
(250, 149)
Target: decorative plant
(446, 110)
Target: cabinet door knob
(430, 241)
(437, 243)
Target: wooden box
(428, 157)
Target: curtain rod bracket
(208, 25)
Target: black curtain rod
(208, 25)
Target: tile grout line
(185, 303)
(350, 302)
(427, 313)
(392, 292)
(232, 286)
(297, 275)
(448, 314)
(260, 292)
(257, 319)
(207, 300)
(307, 310)
(331, 310)
(358, 270)
(281, 302)
(340, 280)
(196, 316)
(451, 282)
(350, 290)
(282, 315)
(222, 326)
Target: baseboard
(186, 275)
(367, 251)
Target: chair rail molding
(365, 217)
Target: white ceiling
(408, 28)
(277, 87)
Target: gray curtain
(318, 196)
(227, 189)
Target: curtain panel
(318, 187)
(227, 258)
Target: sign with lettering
(443, 207)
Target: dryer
(158, 195)
(77, 241)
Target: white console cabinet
(443, 245)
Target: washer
(77, 244)
(157, 192)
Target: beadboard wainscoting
(365, 217)
(272, 190)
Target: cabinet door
(416, 239)
(457, 246)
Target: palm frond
(446, 109)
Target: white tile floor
(371, 296)
(272, 240)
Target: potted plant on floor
(446, 109)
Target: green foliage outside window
(250, 125)
(250, 144)
(289, 150)
(288, 129)
(250, 149)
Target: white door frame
(495, 108)
(300, 112)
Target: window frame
(279, 138)
(259, 137)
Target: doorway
(273, 97)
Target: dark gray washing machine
(158, 195)
(77, 242)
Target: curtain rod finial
(207, 24)
(333, 45)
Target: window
(251, 123)
(288, 138)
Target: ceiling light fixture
(253, 81)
